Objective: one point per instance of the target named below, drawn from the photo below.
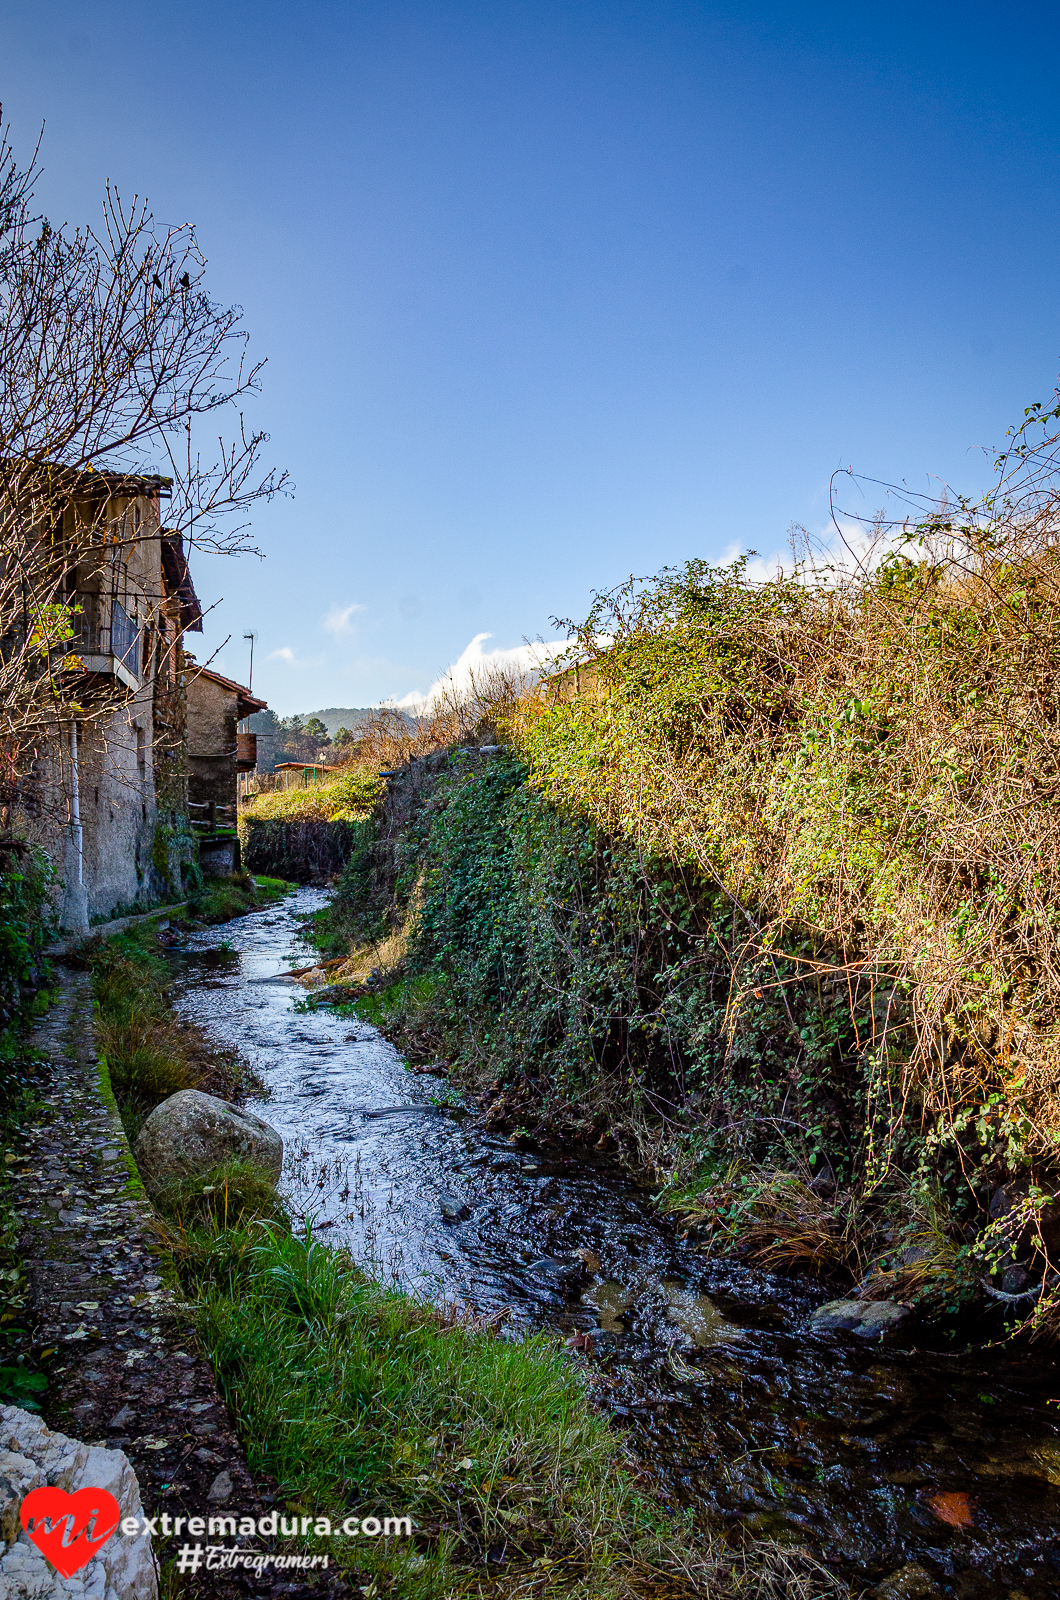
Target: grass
(775, 1218)
(359, 1398)
(344, 799)
(149, 1052)
(221, 899)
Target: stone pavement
(126, 1370)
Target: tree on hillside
(266, 724)
(301, 740)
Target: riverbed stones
(191, 1134)
(910, 1582)
(870, 1319)
(564, 1273)
(31, 1455)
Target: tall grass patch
(358, 1398)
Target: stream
(872, 1457)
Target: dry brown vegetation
(456, 715)
(865, 763)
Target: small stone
(152, 1282)
(1015, 1280)
(122, 1419)
(221, 1488)
(870, 1319)
(910, 1582)
(452, 1209)
(558, 1271)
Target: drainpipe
(75, 808)
(75, 910)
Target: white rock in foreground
(32, 1455)
(191, 1133)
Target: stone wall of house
(212, 717)
(118, 812)
(116, 747)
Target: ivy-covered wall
(579, 987)
(586, 987)
(27, 881)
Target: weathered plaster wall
(118, 814)
(118, 809)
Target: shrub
(344, 799)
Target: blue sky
(552, 293)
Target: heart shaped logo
(68, 1529)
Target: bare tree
(115, 364)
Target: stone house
(217, 751)
(105, 796)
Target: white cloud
(843, 548)
(474, 664)
(288, 657)
(337, 620)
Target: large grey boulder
(191, 1133)
(871, 1319)
(31, 1455)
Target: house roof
(87, 481)
(178, 582)
(248, 702)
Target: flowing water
(872, 1457)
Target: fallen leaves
(952, 1507)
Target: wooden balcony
(108, 641)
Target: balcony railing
(106, 637)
